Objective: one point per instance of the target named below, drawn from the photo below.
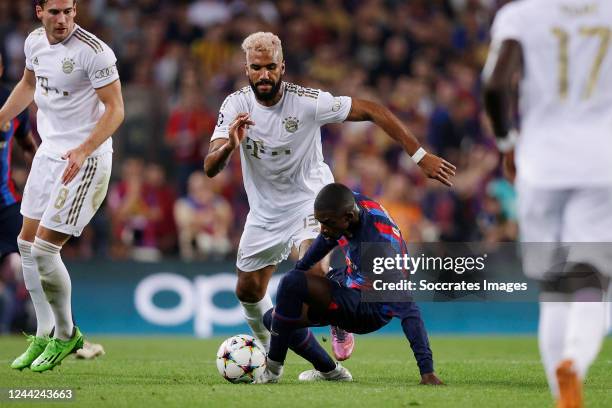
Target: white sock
(551, 338)
(253, 313)
(274, 367)
(31, 278)
(586, 329)
(56, 284)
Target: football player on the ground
(348, 220)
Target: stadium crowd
(179, 59)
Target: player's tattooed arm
(217, 157)
(433, 166)
(221, 149)
(20, 98)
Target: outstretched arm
(432, 165)
(414, 330)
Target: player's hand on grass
(430, 379)
(437, 168)
(238, 129)
(76, 158)
(508, 165)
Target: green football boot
(56, 351)
(35, 349)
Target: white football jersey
(67, 75)
(565, 91)
(281, 156)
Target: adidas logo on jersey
(35, 61)
(56, 218)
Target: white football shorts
(269, 244)
(65, 208)
(565, 225)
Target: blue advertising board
(174, 297)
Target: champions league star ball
(241, 359)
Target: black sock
(286, 317)
(304, 344)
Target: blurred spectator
(141, 135)
(206, 13)
(165, 196)
(189, 125)
(203, 219)
(401, 200)
(135, 213)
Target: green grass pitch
(173, 371)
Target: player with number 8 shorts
(72, 77)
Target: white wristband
(507, 143)
(418, 155)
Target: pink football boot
(343, 343)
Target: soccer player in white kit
(562, 53)
(72, 77)
(276, 125)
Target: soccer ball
(241, 359)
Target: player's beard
(266, 96)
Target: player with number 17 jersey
(561, 50)
(565, 92)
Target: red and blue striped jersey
(18, 128)
(375, 226)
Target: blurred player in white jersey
(276, 125)
(562, 52)
(72, 77)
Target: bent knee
(294, 282)
(250, 290)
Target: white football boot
(271, 374)
(337, 374)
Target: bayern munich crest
(291, 124)
(67, 65)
